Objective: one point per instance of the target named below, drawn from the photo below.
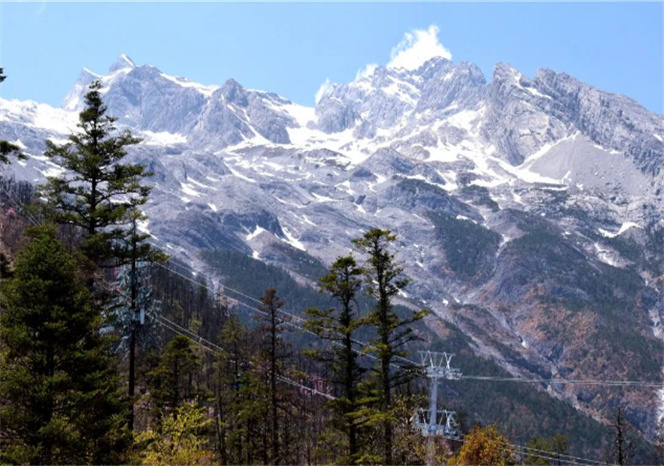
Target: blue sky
(293, 48)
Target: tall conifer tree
(383, 281)
(274, 353)
(62, 394)
(338, 326)
(96, 192)
(171, 382)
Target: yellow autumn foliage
(177, 439)
(484, 446)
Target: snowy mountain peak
(425, 152)
(121, 63)
(505, 71)
(233, 92)
(73, 101)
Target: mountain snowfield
(517, 202)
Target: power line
(515, 450)
(544, 454)
(556, 456)
(20, 205)
(281, 311)
(623, 383)
(214, 348)
(610, 383)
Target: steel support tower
(433, 422)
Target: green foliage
(172, 381)
(237, 391)
(547, 255)
(626, 247)
(273, 356)
(58, 376)
(338, 326)
(419, 187)
(179, 439)
(96, 192)
(569, 280)
(469, 247)
(8, 149)
(383, 281)
(545, 451)
(298, 261)
(655, 246)
(252, 277)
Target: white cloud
(366, 72)
(416, 48)
(321, 90)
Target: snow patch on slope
(623, 228)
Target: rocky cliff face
(529, 211)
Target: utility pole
(136, 320)
(434, 422)
(132, 337)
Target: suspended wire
(215, 349)
(554, 455)
(623, 383)
(530, 451)
(515, 450)
(17, 202)
(176, 328)
(281, 311)
(544, 454)
(609, 383)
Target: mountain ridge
(499, 192)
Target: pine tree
(234, 387)
(338, 326)
(537, 445)
(172, 381)
(549, 448)
(59, 379)
(96, 192)
(383, 282)
(274, 353)
(8, 149)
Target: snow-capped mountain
(529, 211)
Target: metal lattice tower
(434, 422)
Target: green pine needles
(96, 192)
(62, 398)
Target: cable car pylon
(433, 422)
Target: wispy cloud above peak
(366, 72)
(322, 89)
(416, 48)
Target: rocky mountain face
(529, 212)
